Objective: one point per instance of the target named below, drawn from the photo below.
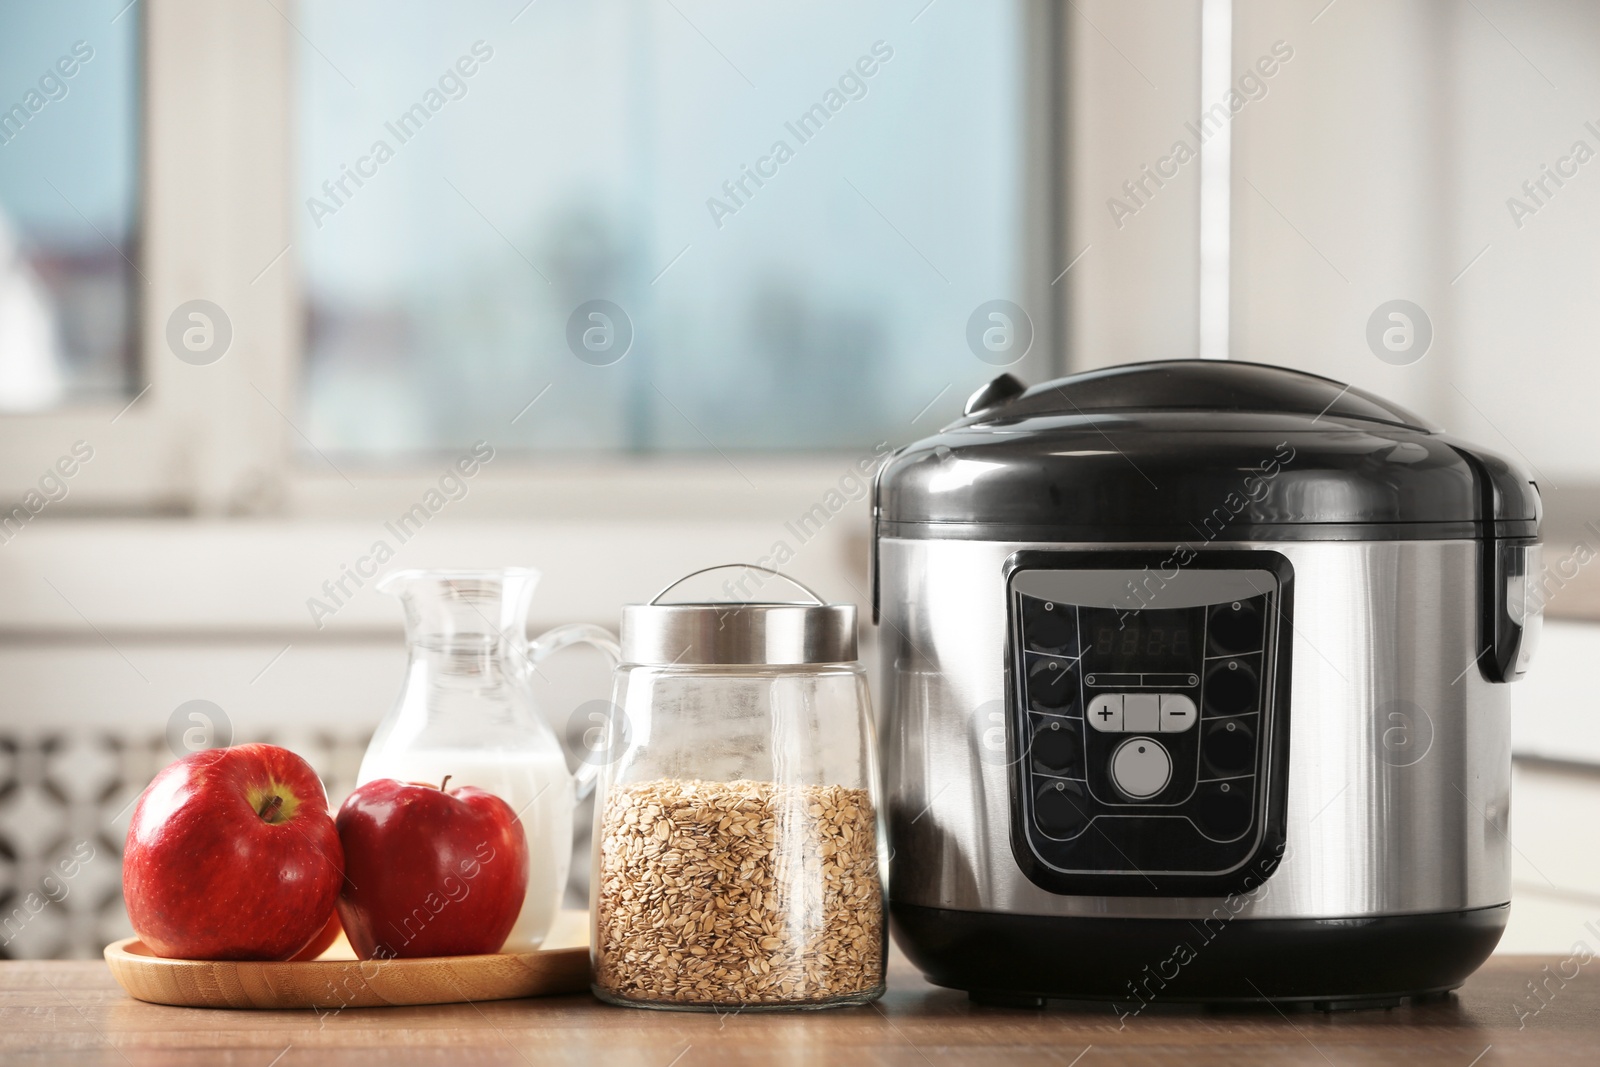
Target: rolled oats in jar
(737, 844)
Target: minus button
(1177, 713)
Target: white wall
(1133, 72)
(1400, 133)
(1377, 165)
(1555, 872)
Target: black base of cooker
(1331, 964)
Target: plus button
(1105, 713)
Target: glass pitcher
(467, 710)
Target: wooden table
(72, 1013)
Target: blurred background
(268, 268)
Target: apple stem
(445, 782)
(270, 808)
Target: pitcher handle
(553, 641)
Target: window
(69, 188)
(783, 303)
(786, 216)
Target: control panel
(1148, 717)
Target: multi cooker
(1196, 688)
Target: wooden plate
(345, 983)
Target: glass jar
(737, 859)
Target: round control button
(1060, 810)
(1048, 626)
(1231, 688)
(1141, 767)
(1224, 812)
(1052, 684)
(1235, 627)
(1229, 747)
(1056, 746)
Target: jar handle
(553, 641)
(739, 566)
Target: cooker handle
(1510, 565)
(1516, 607)
(996, 391)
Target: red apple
(232, 855)
(430, 873)
(321, 943)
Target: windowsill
(178, 578)
(718, 487)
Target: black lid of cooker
(1205, 385)
(1196, 448)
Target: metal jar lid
(738, 632)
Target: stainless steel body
(1399, 749)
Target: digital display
(1151, 641)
